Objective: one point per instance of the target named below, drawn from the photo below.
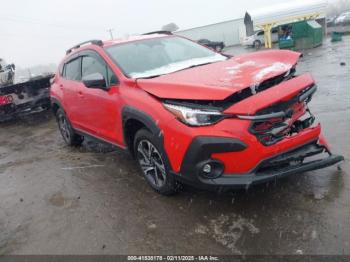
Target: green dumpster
(336, 36)
(305, 34)
(286, 43)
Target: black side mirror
(95, 80)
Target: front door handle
(80, 94)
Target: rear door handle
(80, 94)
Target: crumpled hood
(221, 79)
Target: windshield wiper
(192, 66)
(149, 77)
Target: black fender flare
(129, 112)
(55, 101)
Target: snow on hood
(216, 81)
(276, 67)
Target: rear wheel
(151, 158)
(67, 132)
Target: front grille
(296, 117)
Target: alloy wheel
(151, 163)
(64, 127)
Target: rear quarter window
(72, 70)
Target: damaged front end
(308, 157)
(277, 112)
(24, 98)
(282, 119)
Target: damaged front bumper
(311, 156)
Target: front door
(100, 109)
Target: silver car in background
(257, 40)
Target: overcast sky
(39, 31)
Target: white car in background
(257, 40)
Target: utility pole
(111, 32)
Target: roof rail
(94, 42)
(164, 32)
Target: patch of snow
(227, 230)
(201, 229)
(233, 70)
(299, 252)
(275, 67)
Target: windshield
(159, 56)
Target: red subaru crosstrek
(189, 114)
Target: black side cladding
(138, 119)
(202, 147)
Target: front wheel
(151, 158)
(257, 44)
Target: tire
(257, 44)
(218, 48)
(66, 130)
(153, 162)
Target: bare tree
(337, 7)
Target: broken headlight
(195, 117)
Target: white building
(228, 32)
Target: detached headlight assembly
(195, 117)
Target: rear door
(70, 86)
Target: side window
(91, 65)
(72, 70)
(261, 33)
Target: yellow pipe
(267, 35)
(304, 17)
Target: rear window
(72, 70)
